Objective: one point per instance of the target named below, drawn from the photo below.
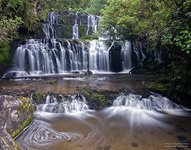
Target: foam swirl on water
(41, 135)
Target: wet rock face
(15, 114)
(116, 58)
(61, 23)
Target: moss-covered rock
(16, 113)
(157, 87)
(96, 99)
(51, 81)
(39, 97)
(159, 83)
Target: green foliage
(90, 37)
(8, 27)
(96, 6)
(137, 18)
(181, 84)
(4, 51)
(18, 6)
(179, 27)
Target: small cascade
(92, 24)
(75, 28)
(143, 56)
(126, 50)
(157, 57)
(153, 102)
(49, 27)
(138, 50)
(75, 103)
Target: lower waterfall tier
(57, 56)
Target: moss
(82, 30)
(39, 95)
(157, 87)
(24, 104)
(95, 96)
(24, 107)
(86, 92)
(24, 124)
(89, 37)
(99, 99)
(52, 82)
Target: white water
(92, 24)
(76, 103)
(59, 56)
(43, 57)
(48, 27)
(131, 118)
(98, 56)
(153, 102)
(127, 51)
(75, 28)
(139, 111)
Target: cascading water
(126, 50)
(75, 28)
(98, 56)
(48, 27)
(153, 102)
(92, 23)
(54, 55)
(76, 103)
(50, 56)
(67, 122)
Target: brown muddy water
(132, 123)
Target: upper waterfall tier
(69, 24)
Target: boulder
(15, 114)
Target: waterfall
(55, 55)
(48, 27)
(98, 56)
(92, 24)
(75, 28)
(126, 50)
(75, 103)
(51, 56)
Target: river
(135, 120)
